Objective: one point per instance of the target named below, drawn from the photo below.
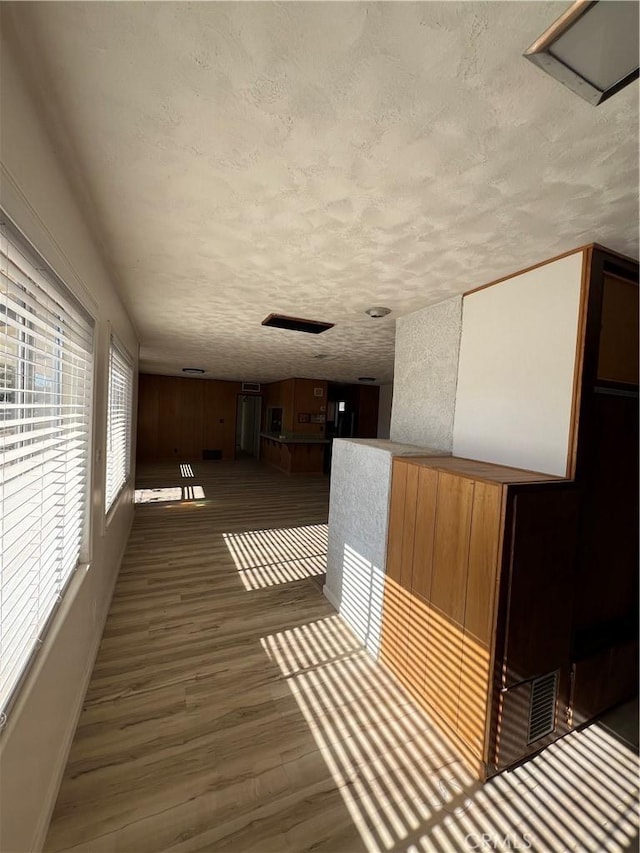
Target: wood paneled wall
(279, 394)
(179, 418)
(296, 396)
(304, 400)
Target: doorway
(248, 414)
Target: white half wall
(516, 373)
(357, 539)
(425, 375)
(40, 726)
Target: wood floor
(231, 710)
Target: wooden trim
(623, 278)
(528, 269)
(559, 26)
(626, 258)
(503, 581)
(591, 344)
(495, 632)
(572, 449)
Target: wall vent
(295, 324)
(250, 386)
(212, 454)
(542, 713)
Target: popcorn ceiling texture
(426, 375)
(314, 159)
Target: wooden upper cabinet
(618, 350)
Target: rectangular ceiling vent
(295, 324)
(250, 386)
(542, 713)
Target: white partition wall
(425, 373)
(358, 521)
(516, 369)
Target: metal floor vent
(542, 713)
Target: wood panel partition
(511, 597)
(460, 533)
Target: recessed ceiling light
(592, 48)
(378, 311)
(192, 370)
(366, 379)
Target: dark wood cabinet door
(543, 554)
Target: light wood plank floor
(231, 710)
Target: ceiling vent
(251, 386)
(295, 324)
(592, 48)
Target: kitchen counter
(294, 454)
(295, 439)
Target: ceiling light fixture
(592, 48)
(378, 311)
(192, 370)
(366, 379)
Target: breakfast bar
(293, 454)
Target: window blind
(46, 364)
(118, 422)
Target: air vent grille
(250, 386)
(296, 324)
(542, 713)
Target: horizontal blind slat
(46, 376)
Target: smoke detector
(378, 311)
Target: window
(46, 364)
(118, 422)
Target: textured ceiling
(316, 159)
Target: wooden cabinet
(604, 650)
(465, 540)
(511, 597)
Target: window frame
(109, 507)
(44, 276)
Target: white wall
(384, 411)
(357, 540)
(425, 374)
(35, 742)
(516, 374)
